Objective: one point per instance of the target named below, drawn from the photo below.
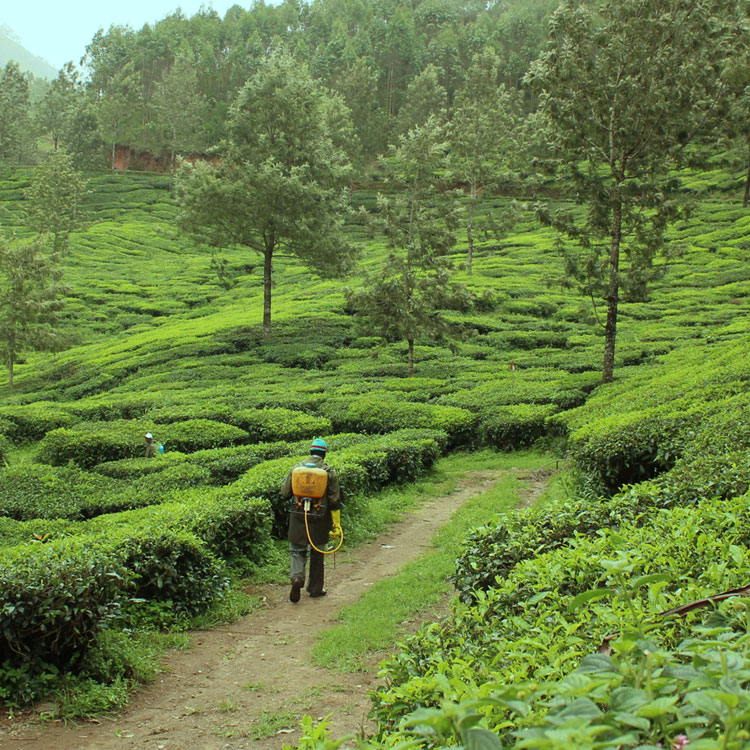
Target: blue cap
(319, 445)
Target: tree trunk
(114, 149)
(613, 294)
(267, 258)
(746, 200)
(411, 356)
(11, 357)
(171, 171)
(470, 228)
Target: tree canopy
(281, 182)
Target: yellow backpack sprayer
(309, 484)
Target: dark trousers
(298, 556)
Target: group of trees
(295, 102)
(169, 87)
(31, 289)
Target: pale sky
(59, 31)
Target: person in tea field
(315, 514)
(150, 445)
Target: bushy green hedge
(266, 425)
(112, 406)
(534, 628)
(134, 468)
(56, 593)
(32, 422)
(55, 596)
(632, 447)
(201, 434)
(168, 564)
(378, 414)
(53, 599)
(89, 444)
(491, 552)
(5, 448)
(92, 443)
(29, 491)
(14, 532)
(512, 427)
(229, 521)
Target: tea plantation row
(560, 642)
(64, 579)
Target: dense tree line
(168, 87)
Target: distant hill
(12, 49)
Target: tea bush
(30, 491)
(53, 599)
(512, 427)
(377, 414)
(166, 564)
(491, 552)
(230, 522)
(266, 425)
(201, 434)
(91, 443)
(554, 609)
(31, 422)
(133, 468)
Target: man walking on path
(311, 520)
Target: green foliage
(513, 427)
(33, 491)
(373, 414)
(201, 434)
(54, 598)
(31, 422)
(555, 608)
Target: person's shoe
(315, 594)
(294, 593)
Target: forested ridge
(413, 230)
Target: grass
(376, 620)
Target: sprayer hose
(312, 544)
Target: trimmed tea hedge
(381, 413)
(512, 427)
(87, 445)
(32, 422)
(53, 599)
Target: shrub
(201, 434)
(101, 442)
(89, 444)
(5, 448)
(53, 599)
(29, 491)
(266, 425)
(32, 422)
(134, 468)
(513, 427)
(376, 414)
(38, 530)
(168, 565)
(230, 522)
(628, 448)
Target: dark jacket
(319, 523)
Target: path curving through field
(247, 685)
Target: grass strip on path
(375, 622)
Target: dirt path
(247, 685)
